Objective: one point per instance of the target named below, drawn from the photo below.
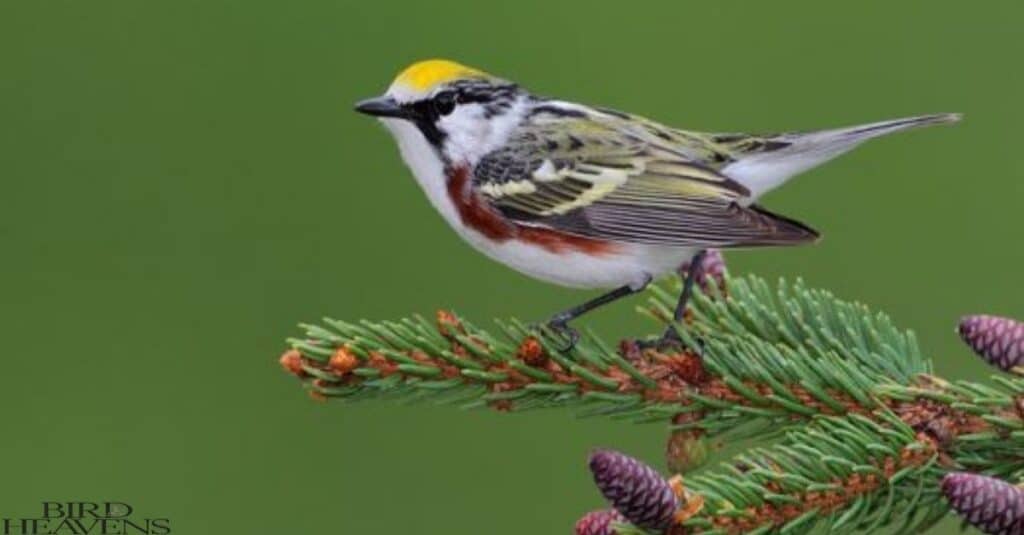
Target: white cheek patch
(426, 166)
(466, 131)
(470, 134)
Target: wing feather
(600, 176)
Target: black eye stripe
(494, 98)
(444, 102)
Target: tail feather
(793, 153)
(859, 133)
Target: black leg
(695, 271)
(560, 322)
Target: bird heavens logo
(85, 518)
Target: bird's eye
(444, 103)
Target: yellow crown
(427, 74)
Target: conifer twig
(857, 433)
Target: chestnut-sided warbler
(590, 197)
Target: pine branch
(860, 431)
(850, 473)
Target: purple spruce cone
(713, 268)
(1000, 341)
(598, 522)
(634, 489)
(989, 504)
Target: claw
(670, 337)
(571, 335)
(665, 342)
(669, 341)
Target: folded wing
(594, 180)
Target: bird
(591, 197)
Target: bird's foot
(664, 342)
(668, 341)
(560, 327)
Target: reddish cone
(636, 490)
(989, 504)
(713, 268)
(1000, 341)
(598, 522)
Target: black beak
(382, 107)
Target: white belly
(631, 265)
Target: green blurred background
(182, 181)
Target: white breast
(425, 165)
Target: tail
(767, 162)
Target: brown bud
(686, 450)
(379, 362)
(342, 361)
(688, 366)
(531, 351)
(630, 350)
(291, 361)
(448, 324)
